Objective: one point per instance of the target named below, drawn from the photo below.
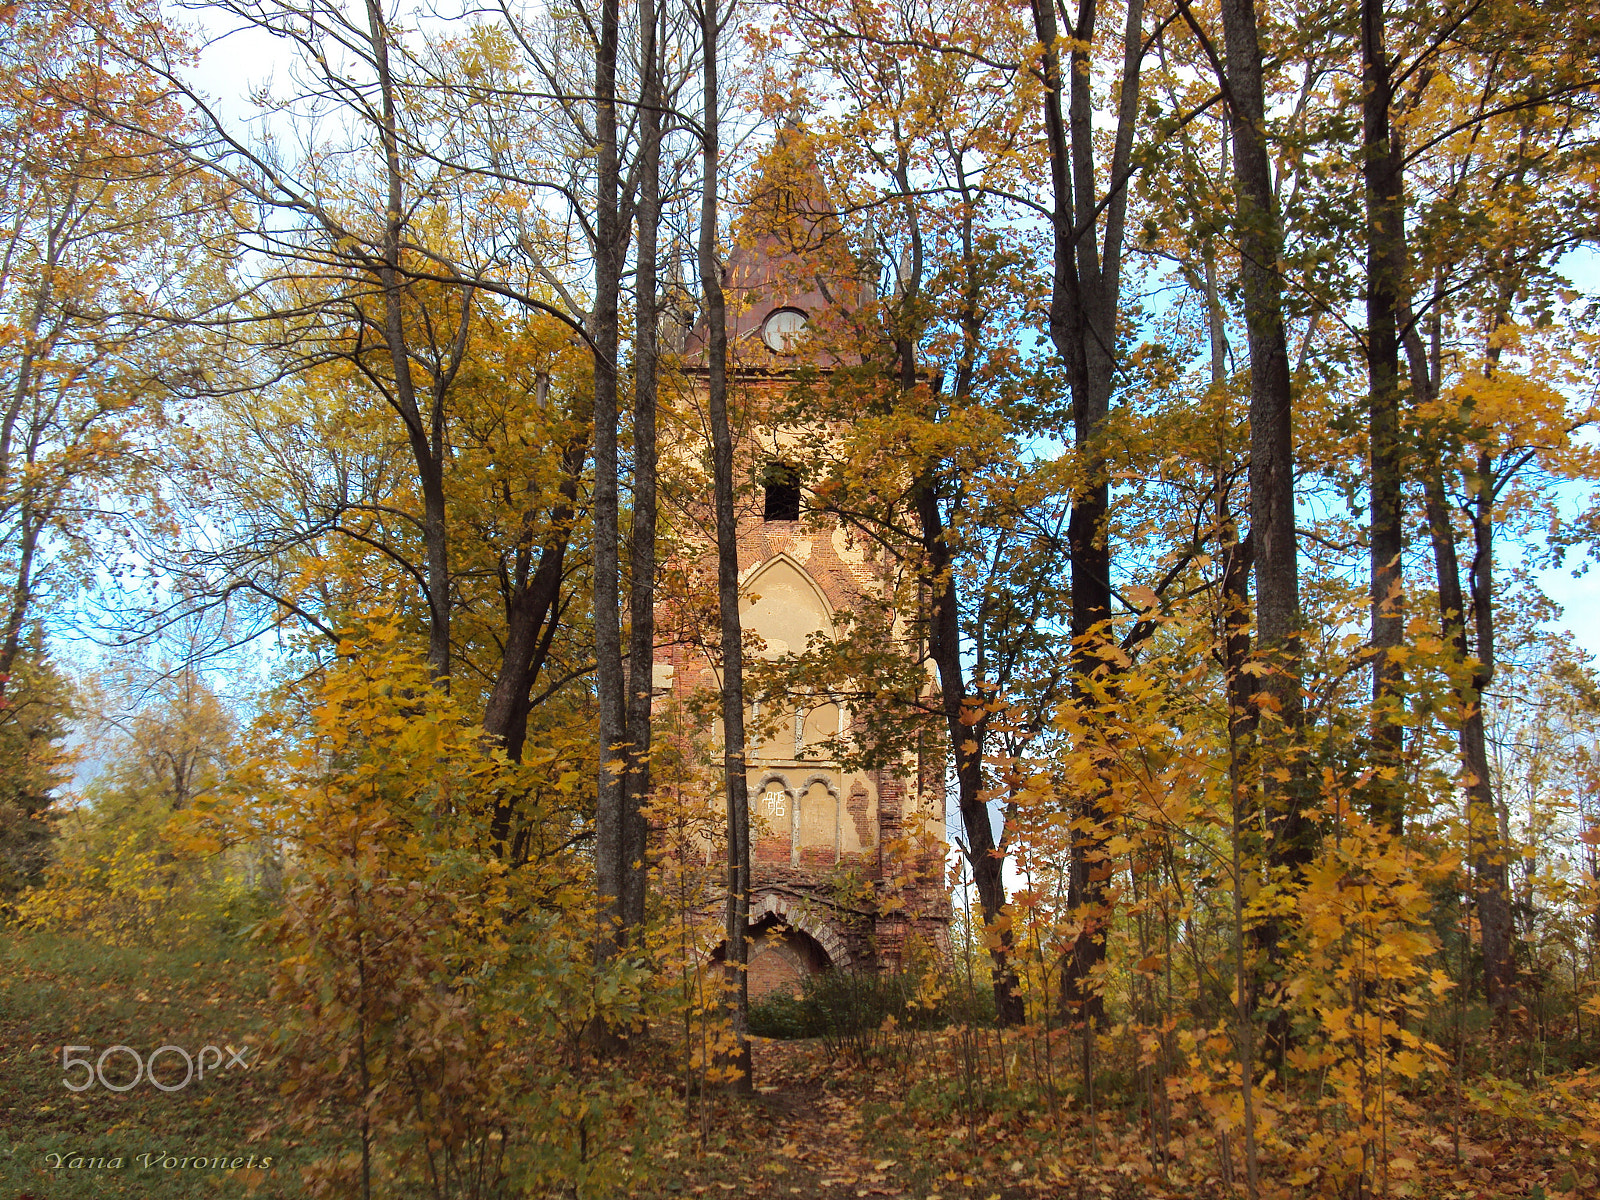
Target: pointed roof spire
(789, 263)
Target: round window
(782, 329)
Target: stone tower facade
(847, 865)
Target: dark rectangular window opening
(782, 494)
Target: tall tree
(388, 257)
(1276, 695)
(1485, 75)
(344, 247)
(642, 540)
(736, 945)
(1272, 497)
(1385, 279)
(1085, 304)
(618, 120)
(426, 432)
(610, 250)
(105, 232)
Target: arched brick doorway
(788, 941)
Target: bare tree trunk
(1084, 303)
(531, 615)
(1491, 884)
(734, 774)
(1271, 426)
(1280, 710)
(532, 588)
(30, 520)
(1234, 623)
(1491, 891)
(424, 432)
(1386, 262)
(967, 728)
(609, 817)
(642, 644)
(1489, 851)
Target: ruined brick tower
(828, 845)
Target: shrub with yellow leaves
(437, 997)
(1361, 980)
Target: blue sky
(1579, 596)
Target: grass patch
(58, 991)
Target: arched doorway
(789, 941)
(780, 957)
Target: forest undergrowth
(959, 1112)
(936, 1114)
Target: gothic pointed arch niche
(784, 605)
(818, 813)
